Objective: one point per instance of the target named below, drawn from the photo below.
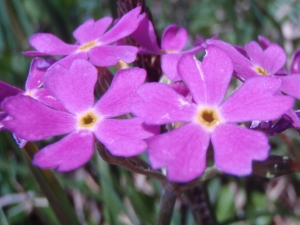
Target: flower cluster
(193, 107)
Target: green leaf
(225, 204)
(113, 205)
(3, 220)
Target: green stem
(130, 164)
(167, 203)
(3, 220)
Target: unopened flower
(295, 65)
(209, 117)
(92, 42)
(82, 119)
(273, 128)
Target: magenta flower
(258, 63)
(6, 90)
(82, 119)
(267, 62)
(92, 42)
(174, 39)
(33, 88)
(183, 150)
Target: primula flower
(174, 39)
(267, 62)
(82, 119)
(92, 42)
(33, 88)
(6, 90)
(183, 150)
(258, 63)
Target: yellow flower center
(88, 120)
(30, 93)
(208, 117)
(261, 71)
(87, 46)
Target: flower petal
(73, 87)
(182, 151)
(37, 70)
(233, 53)
(263, 41)
(272, 59)
(174, 38)
(295, 118)
(34, 121)
(91, 30)
(51, 45)
(145, 36)
(235, 147)
(122, 93)
(3, 115)
(19, 141)
(290, 85)
(275, 58)
(169, 66)
(256, 100)
(7, 90)
(207, 81)
(180, 88)
(124, 137)
(70, 153)
(68, 60)
(124, 27)
(43, 96)
(254, 52)
(162, 105)
(108, 55)
(295, 65)
(242, 65)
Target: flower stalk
(167, 202)
(200, 205)
(132, 164)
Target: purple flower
(174, 39)
(258, 63)
(6, 90)
(267, 62)
(92, 42)
(33, 88)
(209, 117)
(82, 119)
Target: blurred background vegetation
(103, 194)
